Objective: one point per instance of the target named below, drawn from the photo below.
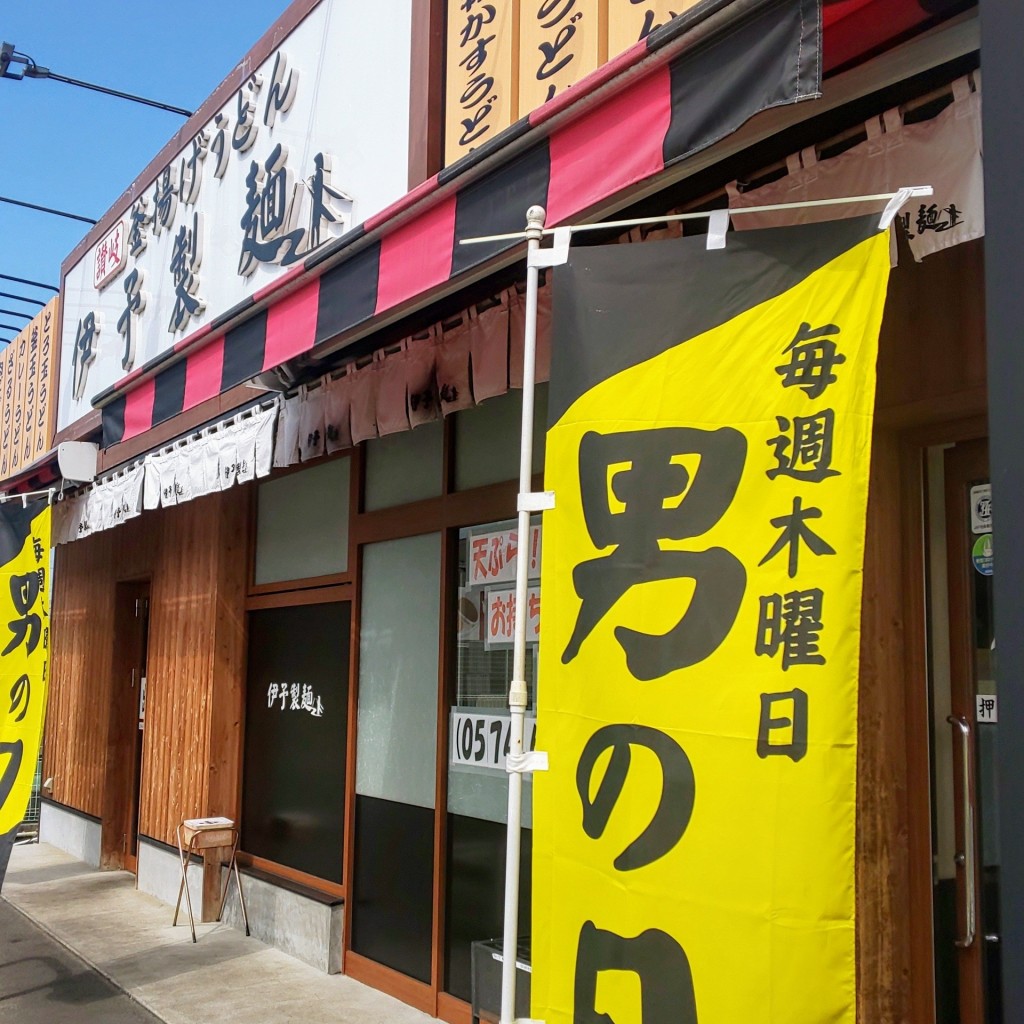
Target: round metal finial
(535, 217)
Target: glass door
(479, 738)
(391, 897)
(964, 737)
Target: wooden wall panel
(181, 632)
(931, 377)
(196, 558)
(931, 362)
(80, 676)
(76, 724)
(223, 794)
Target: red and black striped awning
(637, 115)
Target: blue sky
(77, 150)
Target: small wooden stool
(196, 835)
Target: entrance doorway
(122, 793)
(964, 702)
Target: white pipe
(915, 190)
(47, 492)
(518, 696)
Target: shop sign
(630, 21)
(556, 43)
(492, 556)
(500, 621)
(108, 260)
(294, 697)
(702, 585)
(26, 383)
(479, 96)
(293, 159)
(483, 740)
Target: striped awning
(680, 90)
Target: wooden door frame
(445, 515)
(122, 729)
(913, 444)
(966, 461)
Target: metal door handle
(966, 859)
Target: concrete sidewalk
(224, 977)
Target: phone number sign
(483, 741)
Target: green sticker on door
(981, 554)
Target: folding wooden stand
(194, 836)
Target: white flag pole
(518, 696)
(899, 197)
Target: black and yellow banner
(24, 655)
(709, 451)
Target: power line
(46, 209)
(22, 298)
(31, 284)
(37, 72)
(9, 56)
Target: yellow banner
(694, 838)
(24, 656)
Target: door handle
(967, 858)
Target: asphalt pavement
(41, 982)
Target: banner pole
(6, 845)
(904, 194)
(518, 696)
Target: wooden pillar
(227, 690)
(426, 97)
(883, 864)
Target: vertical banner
(24, 656)
(709, 451)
